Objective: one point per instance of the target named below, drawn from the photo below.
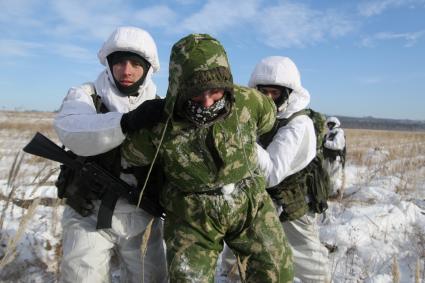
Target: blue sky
(357, 58)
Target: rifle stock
(113, 186)
(43, 147)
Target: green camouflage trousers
(197, 224)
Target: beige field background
(30, 212)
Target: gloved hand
(78, 199)
(77, 190)
(145, 116)
(81, 205)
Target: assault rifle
(113, 186)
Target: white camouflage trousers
(336, 175)
(87, 252)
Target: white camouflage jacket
(77, 124)
(294, 145)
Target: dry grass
(10, 252)
(395, 270)
(144, 245)
(23, 126)
(389, 153)
(418, 271)
(26, 120)
(399, 145)
(24, 170)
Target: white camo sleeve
(81, 129)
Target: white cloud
(284, 25)
(409, 38)
(376, 7)
(219, 15)
(18, 9)
(10, 48)
(19, 15)
(371, 80)
(83, 18)
(186, 2)
(156, 16)
(296, 25)
(73, 51)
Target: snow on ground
(376, 231)
(371, 229)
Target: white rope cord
(153, 161)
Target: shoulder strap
(285, 121)
(267, 138)
(98, 104)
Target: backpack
(310, 187)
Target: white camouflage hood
(134, 40)
(333, 120)
(281, 71)
(130, 39)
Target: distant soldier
(334, 151)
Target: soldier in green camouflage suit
(213, 192)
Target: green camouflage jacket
(199, 158)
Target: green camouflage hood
(197, 62)
(203, 158)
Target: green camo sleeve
(266, 113)
(138, 149)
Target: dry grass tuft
(11, 252)
(418, 271)
(144, 245)
(395, 270)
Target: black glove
(79, 197)
(145, 116)
(77, 191)
(83, 206)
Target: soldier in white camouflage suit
(91, 123)
(287, 156)
(334, 151)
(208, 152)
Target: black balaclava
(119, 56)
(330, 125)
(285, 92)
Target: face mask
(202, 115)
(281, 101)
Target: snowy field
(376, 232)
